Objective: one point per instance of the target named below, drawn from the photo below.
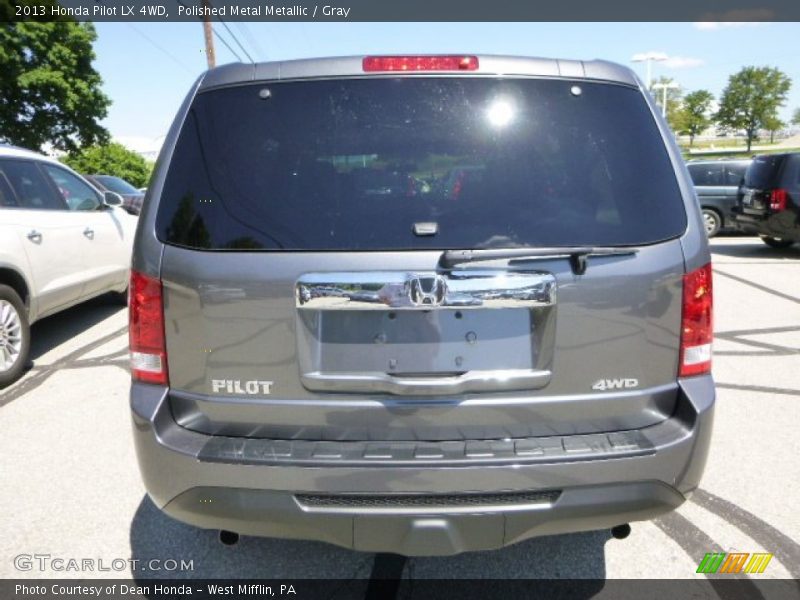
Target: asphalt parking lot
(71, 488)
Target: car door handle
(89, 233)
(34, 236)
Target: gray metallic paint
(225, 322)
(260, 500)
(622, 311)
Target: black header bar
(402, 10)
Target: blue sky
(147, 68)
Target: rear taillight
(777, 200)
(146, 320)
(696, 323)
(420, 63)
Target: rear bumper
(783, 225)
(422, 499)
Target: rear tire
(15, 336)
(712, 222)
(774, 242)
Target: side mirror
(112, 199)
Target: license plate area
(443, 342)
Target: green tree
(674, 99)
(772, 124)
(111, 159)
(49, 91)
(693, 117)
(796, 117)
(752, 96)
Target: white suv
(61, 242)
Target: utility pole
(209, 35)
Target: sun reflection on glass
(500, 113)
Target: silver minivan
(420, 304)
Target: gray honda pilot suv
(420, 304)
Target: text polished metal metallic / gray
(479, 289)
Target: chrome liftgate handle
(470, 381)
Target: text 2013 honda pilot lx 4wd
(420, 304)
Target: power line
(216, 33)
(227, 45)
(235, 39)
(251, 39)
(162, 49)
(157, 45)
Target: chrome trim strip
(471, 381)
(463, 289)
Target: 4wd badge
(615, 384)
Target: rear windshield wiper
(577, 255)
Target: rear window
(116, 184)
(764, 172)
(353, 164)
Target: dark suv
(429, 372)
(717, 185)
(769, 199)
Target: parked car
(423, 377)
(769, 199)
(132, 197)
(61, 242)
(717, 185)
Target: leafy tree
(693, 116)
(772, 124)
(674, 99)
(796, 117)
(111, 159)
(752, 96)
(49, 91)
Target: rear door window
(353, 164)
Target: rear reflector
(777, 200)
(146, 330)
(420, 63)
(696, 323)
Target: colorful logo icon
(734, 562)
